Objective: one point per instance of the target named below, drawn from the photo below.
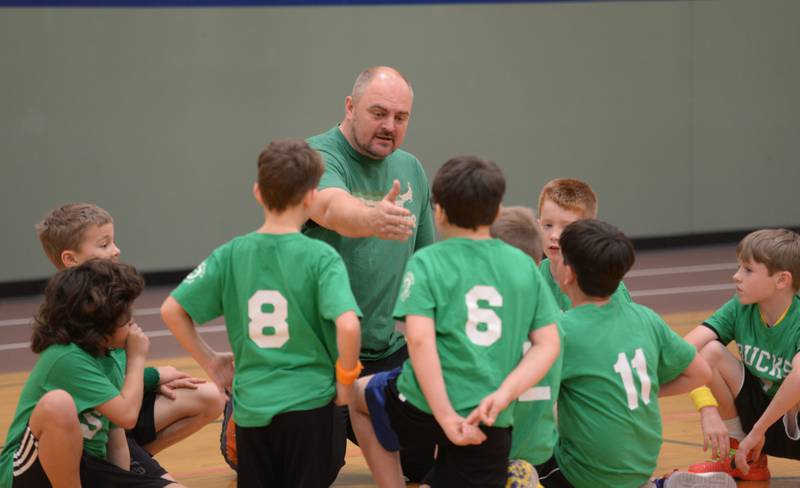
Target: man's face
(97, 243)
(552, 220)
(378, 119)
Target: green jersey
(485, 298)
(535, 431)
(90, 380)
(280, 295)
(375, 266)
(767, 352)
(616, 357)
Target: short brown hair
(64, 227)
(570, 194)
(469, 189)
(777, 249)
(287, 170)
(517, 226)
(85, 305)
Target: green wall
(684, 116)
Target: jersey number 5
(483, 325)
(639, 363)
(268, 329)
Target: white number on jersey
(268, 329)
(536, 392)
(639, 363)
(476, 316)
(92, 426)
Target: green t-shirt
(280, 295)
(615, 358)
(485, 298)
(535, 430)
(767, 352)
(90, 380)
(375, 266)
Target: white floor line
(682, 289)
(699, 268)
(203, 329)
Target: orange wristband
(347, 377)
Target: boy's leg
(550, 475)
(384, 465)
(57, 441)
(186, 414)
(727, 377)
(99, 472)
(482, 465)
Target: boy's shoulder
(616, 309)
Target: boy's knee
(211, 399)
(713, 352)
(56, 409)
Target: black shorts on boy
(399, 425)
(28, 471)
(296, 450)
(783, 437)
(143, 433)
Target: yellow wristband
(702, 398)
(347, 377)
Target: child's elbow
(128, 421)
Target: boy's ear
(309, 197)
(69, 258)
(439, 215)
(257, 194)
(784, 279)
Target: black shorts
(294, 451)
(144, 432)
(28, 471)
(484, 465)
(783, 437)
(550, 475)
(142, 462)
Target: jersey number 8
(268, 329)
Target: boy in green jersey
(174, 404)
(763, 387)
(289, 314)
(469, 302)
(68, 427)
(618, 356)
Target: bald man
(374, 207)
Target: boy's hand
(715, 433)
(137, 344)
(749, 449)
(490, 407)
(168, 389)
(460, 432)
(345, 394)
(220, 369)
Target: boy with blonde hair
(292, 325)
(751, 394)
(469, 303)
(174, 404)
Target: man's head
(769, 261)
(76, 232)
(595, 255)
(377, 112)
(287, 171)
(469, 191)
(517, 227)
(561, 202)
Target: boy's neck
(578, 297)
(287, 222)
(449, 231)
(773, 308)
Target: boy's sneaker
(227, 438)
(521, 474)
(758, 469)
(682, 479)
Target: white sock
(735, 430)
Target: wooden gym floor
(683, 285)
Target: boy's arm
(348, 340)
(700, 336)
(697, 374)
(421, 339)
(341, 212)
(118, 452)
(545, 348)
(218, 366)
(123, 409)
(786, 398)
